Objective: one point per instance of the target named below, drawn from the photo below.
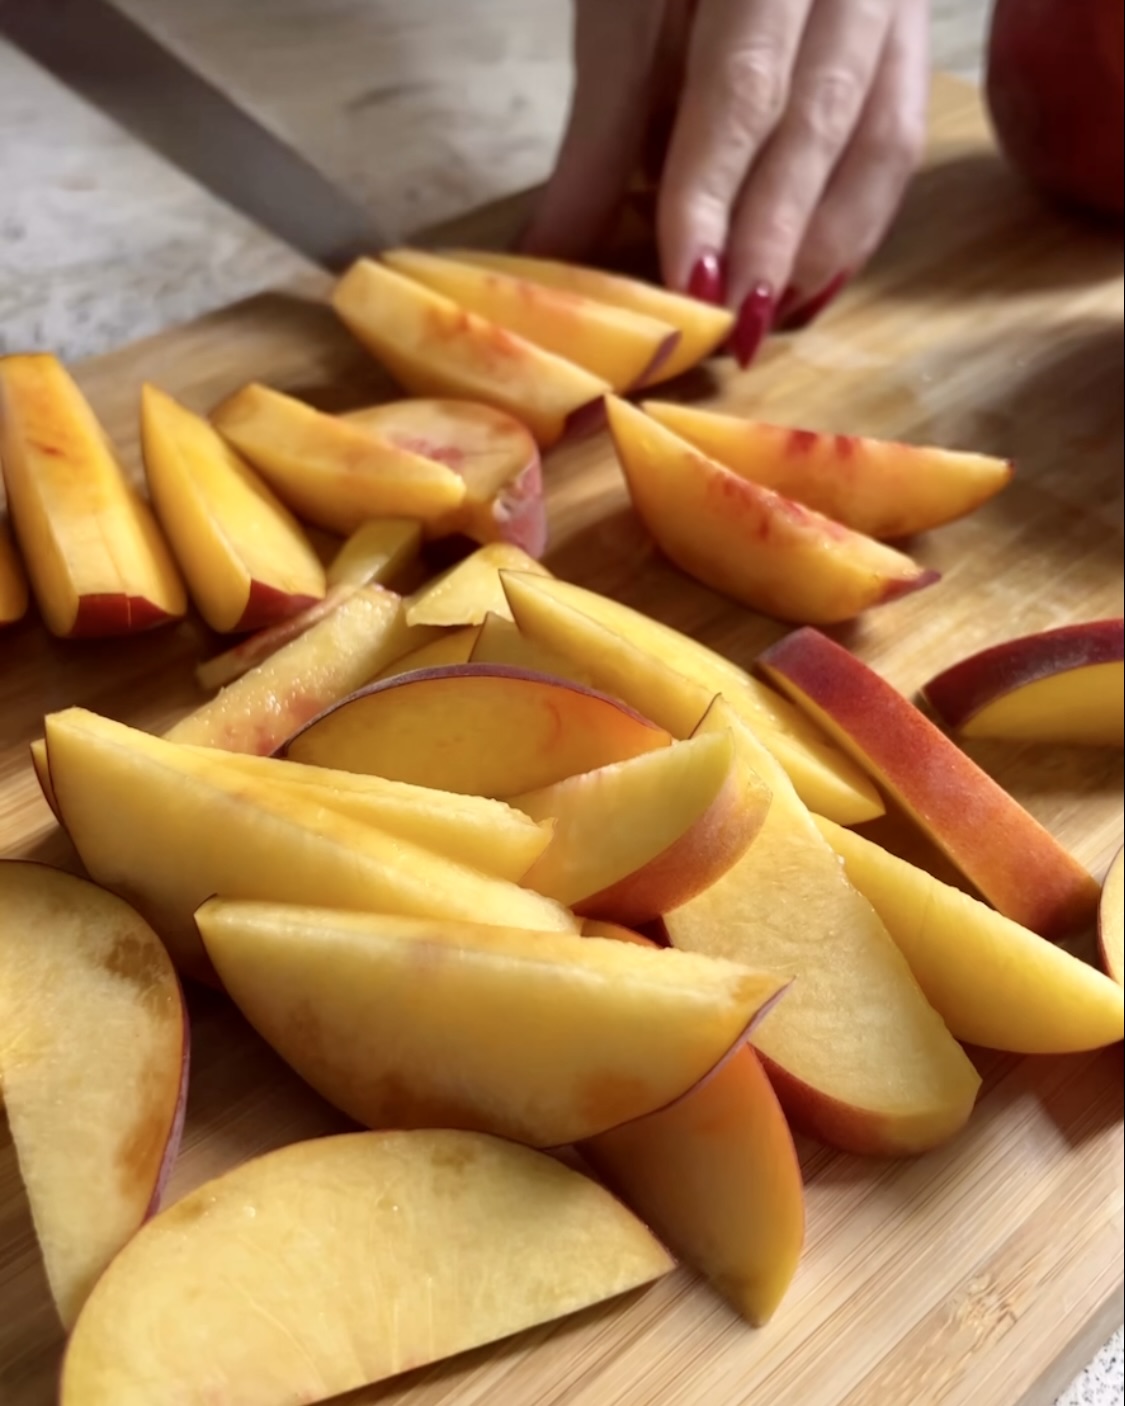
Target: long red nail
(786, 304)
(809, 311)
(706, 281)
(755, 318)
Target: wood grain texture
(981, 1275)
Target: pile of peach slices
(576, 918)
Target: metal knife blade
(119, 67)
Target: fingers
(615, 49)
(868, 184)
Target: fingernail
(800, 316)
(706, 281)
(755, 318)
(786, 304)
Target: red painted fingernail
(755, 318)
(786, 304)
(706, 281)
(809, 311)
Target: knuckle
(830, 106)
(754, 87)
(897, 140)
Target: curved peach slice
(637, 838)
(13, 580)
(475, 728)
(493, 452)
(501, 641)
(211, 1302)
(621, 346)
(1063, 685)
(450, 647)
(703, 328)
(873, 486)
(544, 1038)
(245, 558)
(96, 558)
(994, 983)
(433, 347)
(472, 589)
(1111, 925)
(93, 1067)
(379, 551)
(42, 768)
(1004, 852)
(748, 542)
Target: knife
(115, 64)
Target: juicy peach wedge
(434, 347)
(472, 589)
(1111, 922)
(95, 556)
(748, 542)
(621, 346)
(703, 328)
(13, 580)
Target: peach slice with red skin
(433, 347)
(1063, 686)
(748, 542)
(97, 561)
(493, 452)
(637, 838)
(703, 327)
(621, 346)
(546, 1038)
(1111, 924)
(1005, 853)
(873, 486)
(14, 596)
(95, 1138)
(478, 729)
(472, 589)
(210, 1303)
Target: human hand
(797, 125)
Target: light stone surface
(421, 108)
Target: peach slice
(186, 826)
(994, 983)
(450, 647)
(748, 542)
(674, 678)
(543, 1038)
(500, 641)
(858, 1056)
(472, 589)
(246, 560)
(331, 659)
(873, 486)
(96, 558)
(42, 768)
(1063, 685)
(1005, 853)
(1111, 925)
(637, 838)
(703, 328)
(211, 1302)
(433, 347)
(493, 452)
(333, 473)
(93, 1067)
(379, 551)
(13, 580)
(479, 729)
(619, 345)
(716, 1174)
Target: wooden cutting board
(984, 1274)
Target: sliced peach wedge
(1001, 849)
(332, 472)
(500, 641)
(1062, 686)
(14, 597)
(210, 1302)
(748, 542)
(446, 648)
(543, 1038)
(493, 452)
(97, 561)
(622, 346)
(873, 486)
(472, 589)
(637, 838)
(994, 983)
(380, 551)
(480, 729)
(674, 678)
(95, 1137)
(245, 558)
(703, 328)
(1111, 921)
(433, 347)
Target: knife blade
(115, 64)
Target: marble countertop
(101, 242)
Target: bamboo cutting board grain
(985, 1274)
